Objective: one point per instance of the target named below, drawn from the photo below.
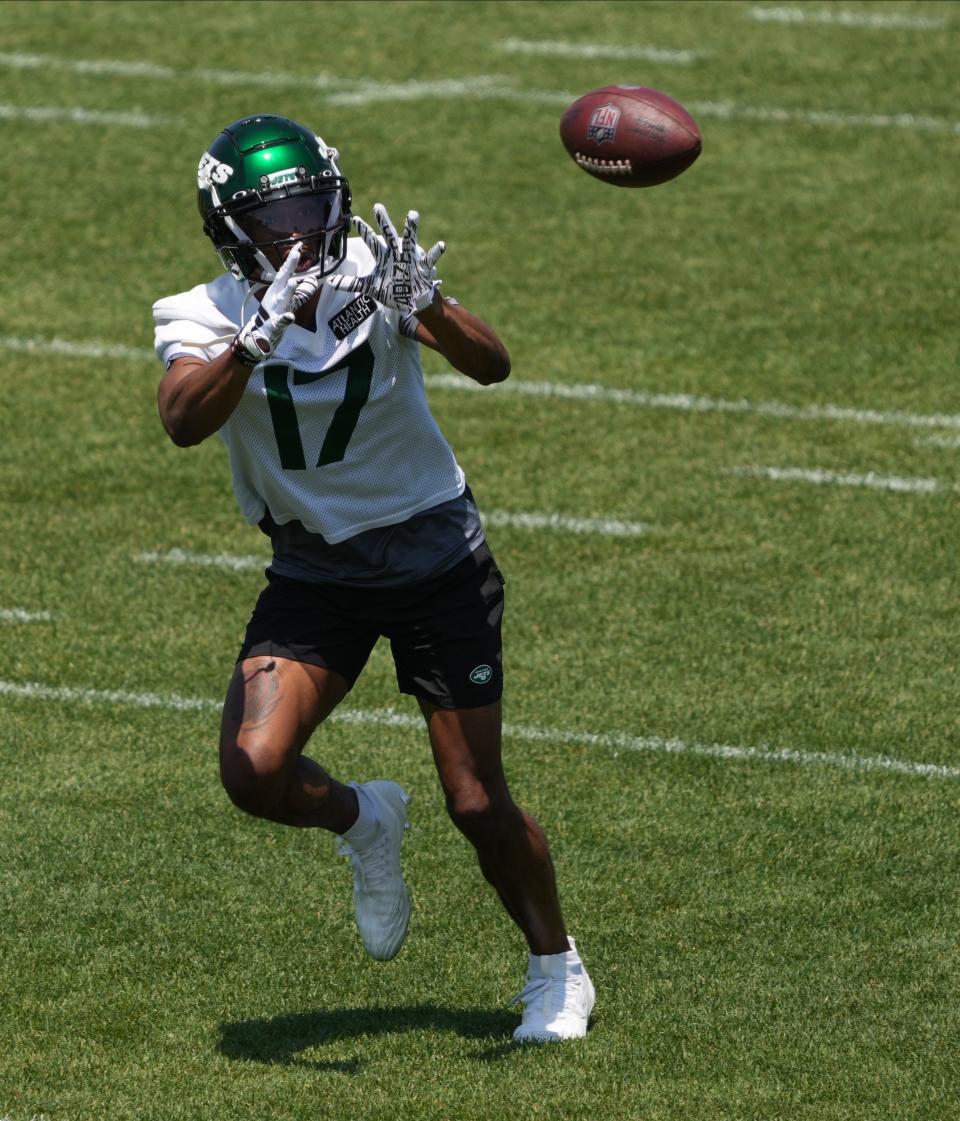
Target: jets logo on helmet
(212, 171)
(266, 183)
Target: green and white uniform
(333, 435)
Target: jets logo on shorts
(480, 675)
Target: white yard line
(362, 91)
(234, 562)
(552, 48)
(23, 60)
(728, 111)
(182, 557)
(337, 91)
(686, 402)
(937, 441)
(683, 402)
(140, 68)
(31, 690)
(768, 114)
(46, 114)
(37, 344)
(600, 527)
(489, 88)
(21, 615)
(483, 86)
(774, 114)
(613, 741)
(832, 478)
(840, 18)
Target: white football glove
(404, 276)
(259, 337)
(419, 265)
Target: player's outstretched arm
(468, 344)
(404, 277)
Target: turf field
(732, 623)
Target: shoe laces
(535, 987)
(534, 994)
(373, 863)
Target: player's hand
(420, 265)
(259, 336)
(403, 276)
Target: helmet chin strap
(267, 271)
(252, 287)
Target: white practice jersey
(333, 429)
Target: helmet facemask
(260, 235)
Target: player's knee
(255, 791)
(481, 814)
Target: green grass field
(739, 728)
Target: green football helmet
(266, 183)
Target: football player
(303, 356)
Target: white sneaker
(558, 998)
(380, 897)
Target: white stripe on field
(730, 111)
(34, 691)
(229, 561)
(20, 60)
(20, 615)
(346, 91)
(557, 49)
(503, 89)
(614, 741)
(684, 402)
(831, 478)
(618, 741)
(75, 115)
(846, 19)
(341, 91)
(726, 111)
(716, 110)
(363, 93)
(139, 68)
(602, 527)
(68, 349)
(937, 441)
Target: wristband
(241, 355)
(408, 323)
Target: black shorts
(444, 632)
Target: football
(630, 136)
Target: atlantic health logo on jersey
(350, 318)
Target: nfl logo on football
(603, 123)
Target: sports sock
(364, 830)
(556, 965)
